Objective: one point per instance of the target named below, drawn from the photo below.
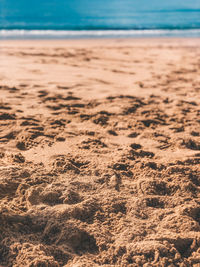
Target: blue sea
(62, 19)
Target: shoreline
(92, 41)
(97, 34)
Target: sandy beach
(100, 153)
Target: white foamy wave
(62, 34)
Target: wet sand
(100, 153)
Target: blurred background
(75, 18)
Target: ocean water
(98, 18)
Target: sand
(100, 153)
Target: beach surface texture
(100, 153)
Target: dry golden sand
(100, 153)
